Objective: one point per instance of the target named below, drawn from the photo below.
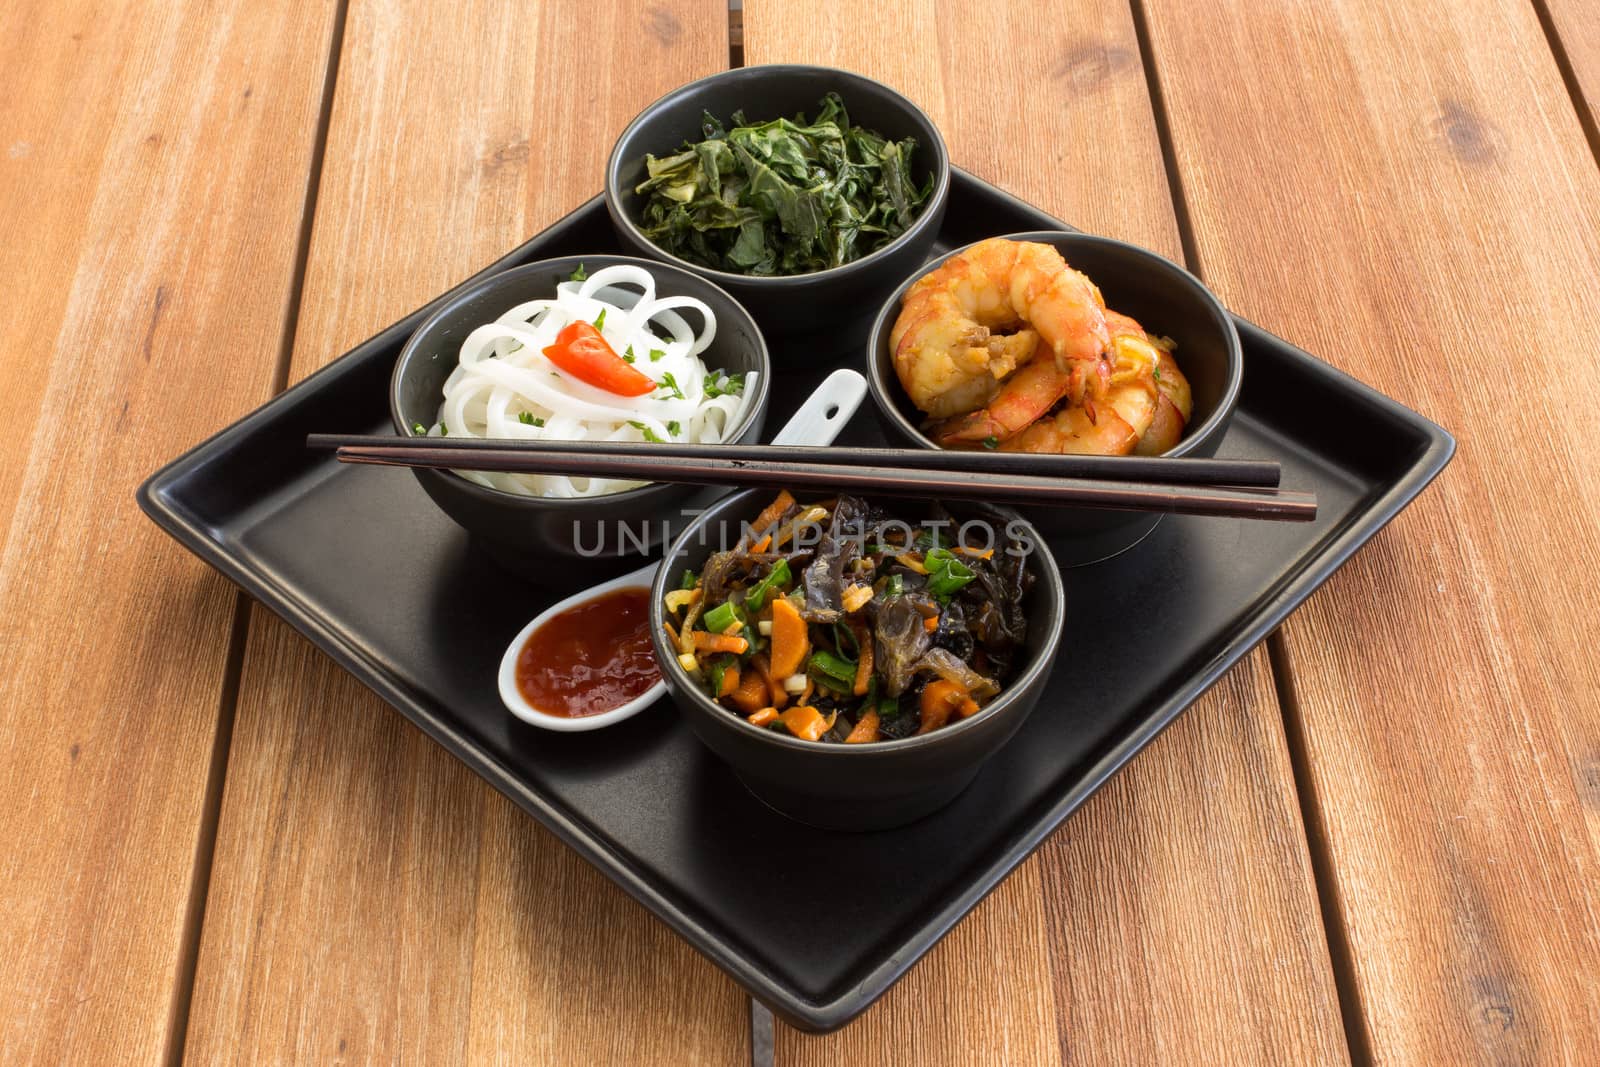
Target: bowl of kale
(806, 192)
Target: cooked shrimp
(1023, 397)
(946, 353)
(1173, 408)
(1144, 410)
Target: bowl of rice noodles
(582, 348)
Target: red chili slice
(583, 353)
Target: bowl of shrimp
(1057, 342)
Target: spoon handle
(825, 412)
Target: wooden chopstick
(1153, 469)
(733, 466)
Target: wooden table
(1377, 839)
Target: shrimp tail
(972, 428)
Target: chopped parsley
(991, 442)
(649, 434)
(419, 429)
(580, 275)
(656, 354)
(600, 320)
(670, 384)
(627, 355)
(720, 383)
(527, 419)
(674, 427)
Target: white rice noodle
(503, 375)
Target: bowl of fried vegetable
(795, 188)
(855, 663)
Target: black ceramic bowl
(1166, 300)
(831, 299)
(523, 532)
(856, 787)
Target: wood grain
(1182, 895)
(152, 166)
(1576, 26)
(373, 900)
(1406, 190)
(989, 75)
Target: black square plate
(358, 560)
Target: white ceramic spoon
(818, 422)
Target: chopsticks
(889, 472)
(1228, 472)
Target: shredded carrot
(931, 623)
(791, 640)
(986, 553)
(806, 722)
(672, 635)
(762, 717)
(730, 682)
(761, 545)
(864, 658)
(866, 730)
(773, 511)
(811, 687)
(908, 560)
(775, 690)
(750, 693)
(968, 706)
(939, 699)
(934, 718)
(708, 642)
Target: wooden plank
(153, 165)
(1575, 28)
(1186, 885)
(1406, 190)
(372, 899)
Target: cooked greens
(781, 197)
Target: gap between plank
(233, 665)
(206, 839)
(1329, 899)
(1569, 76)
(1169, 157)
(319, 149)
(763, 1039)
(1324, 881)
(763, 1036)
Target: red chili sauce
(590, 658)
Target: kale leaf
(781, 197)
